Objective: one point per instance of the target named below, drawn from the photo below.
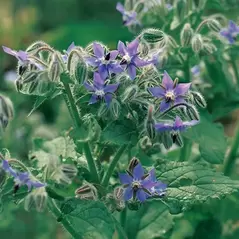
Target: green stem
(112, 166)
(229, 163)
(57, 213)
(78, 123)
(91, 163)
(123, 216)
(234, 66)
(185, 151)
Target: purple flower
(169, 92)
(176, 126)
(195, 70)
(99, 90)
(105, 62)
(22, 57)
(129, 17)
(130, 57)
(230, 32)
(67, 52)
(21, 178)
(136, 185)
(159, 188)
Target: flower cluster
(108, 63)
(21, 178)
(140, 185)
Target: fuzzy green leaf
(192, 183)
(119, 132)
(152, 220)
(211, 139)
(90, 219)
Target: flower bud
(181, 7)
(199, 99)
(186, 35)
(86, 192)
(34, 47)
(2, 177)
(150, 123)
(64, 173)
(177, 139)
(37, 199)
(214, 25)
(55, 68)
(197, 43)
(132, 164)
(152, 35)
(115, 108)
(129, 93)
(192, 112)
(209, 48)
(6, 111)
(145, 143)
(119, 192)
(77, 67)
(166, 140)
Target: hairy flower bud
(130, 93)
(86, 192)
(37, 199)
(150, 123)
(2, 177)
(38, 46)
(64, 173)
(198, 99)
(152, 35)
(133, 162)
(214, 25)
(177, 139)
(55, 68)
(192, 112)
(166, 140)
(6, 111)
(115, 108)
(181, 7)
(145, 143)
(209, 48)
(186, 35)
(77, 67)
(197, 43)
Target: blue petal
(128, 193)
(141, 195)
(125, 178)
(8, 169)
(138, 171)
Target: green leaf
(192, 183)
(90, 219)
(119, 132)
(211, 139)
(152, 220)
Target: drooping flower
(130, 58)
(177, 126)
(67, 52)
(139, 185)
(105, 62)
(231, 32)
(21, 178)
(129, 17)
(170, 92)
(22, 57)
(99, 90)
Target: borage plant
(114, 174)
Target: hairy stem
(112, 166)
(78, 123)
(57, 213)
(229, 163)
(185, 151)
(123, 216)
